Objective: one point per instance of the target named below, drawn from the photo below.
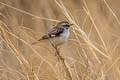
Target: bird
(58, 35)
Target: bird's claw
(60, 58)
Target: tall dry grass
(92, 52)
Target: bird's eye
(66, 24)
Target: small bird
(58, 34)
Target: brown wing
(43, 38)
(55, 32)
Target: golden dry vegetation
(92, 52)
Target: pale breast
(65, 34)
(62, 38)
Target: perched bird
(58, 34)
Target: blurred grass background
(92, 52)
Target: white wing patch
(53, 35)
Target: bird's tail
(45, 37)
(36, 41)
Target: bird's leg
(57, 51)
(58, 54)
(53, 47)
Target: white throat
(62, 38)
(66, 33)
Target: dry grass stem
(91, 53)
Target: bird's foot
(59, 56)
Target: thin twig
(62, 62)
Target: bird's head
(64, 24)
